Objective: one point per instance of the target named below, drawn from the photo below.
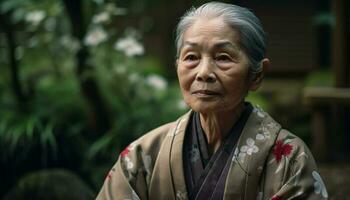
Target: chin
(206, 107)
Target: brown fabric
(268, 163)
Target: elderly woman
(224, 148)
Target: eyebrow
(220, 44)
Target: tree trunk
(13, 62)
(98, 112)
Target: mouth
(205, 93)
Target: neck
(217, 125)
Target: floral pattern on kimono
(269, 163)
(291, 171)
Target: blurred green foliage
(320, 78)
(53, 125)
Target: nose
(205, 73)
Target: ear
(256, 82)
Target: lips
(205, 93)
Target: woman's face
(212, 69)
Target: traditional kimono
(257, 161)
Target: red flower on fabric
(276, 197)
(109, 175)
(281, 149)
(125, 152)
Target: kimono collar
(254, 144)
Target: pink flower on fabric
(276, 197)
(109, 175)
(125, 152)
(281, 149)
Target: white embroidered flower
(259, 112)
(260, 136)
(319, 186)
(101, 18)
(245, 150)
(129, 164)
(157, 82)
(129, 46)
(250, 148)
(181, 195)
(95, 36)
(35, 17)
(238, 156)
(263, 134)
(272, 125)
(241, 157)
(194, 153)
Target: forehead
(210, 31)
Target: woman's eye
(223, 58)
(191, 57)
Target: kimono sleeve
(291, 171)
(126, 180)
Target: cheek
(185, 80)
(236, 86)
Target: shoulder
(151, 142)
(154, 137)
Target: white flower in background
(35, 17)
(99, 1)
(133, 78)
(95, 37)
(119, 69)
(50, 24)
(111, 8)
(157, 82)
(129, 46)
(101, 18)
(120, 11)
(70, 43)
(319, 186)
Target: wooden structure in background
(320, 99)
(291, 45)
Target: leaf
(100, 145)
(30, 126)
(48, 137)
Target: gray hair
(252, 35)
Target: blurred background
(81, 79)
